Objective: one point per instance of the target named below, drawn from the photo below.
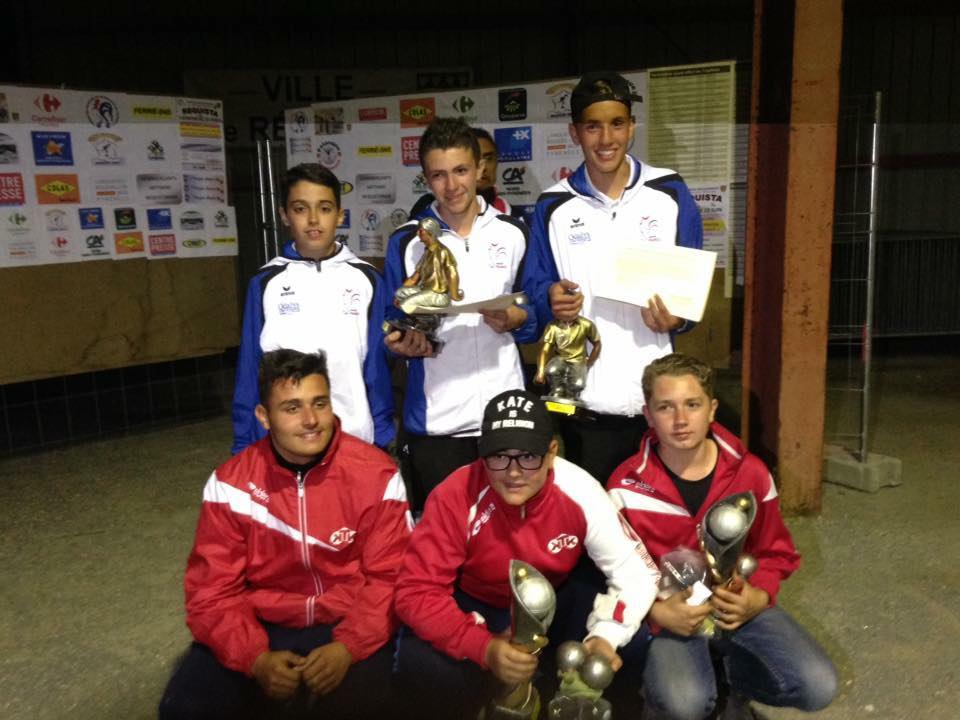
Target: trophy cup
(583, 678)
(531, 613)
(722, 535)
(563, 362)
(424, 295)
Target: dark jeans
(202, 688)
(435, 685)
(599, 443)
(427, 460)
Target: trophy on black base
(563, 361)
(424, 295)
(722, 535)
(583, 678)
(531, 612)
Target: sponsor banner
(372, 114)
(161, 245)
(11, 189)
(158, 188)
(514, 144)
(159, 219)
(410, 150)
(128, 244)
(512, 104)
(210, 189)
(375, 151)
(105, 111)
(147, 109)
(18, 237)
(109, 189)
(54, 189)
(75, 164)
(417, 112)
(94, 245)
(11, 147)
(222, 224)
(51, 147)
(193, 229)
(199, 111)
(377, 188)
(299, 133)
(105, 149)
(91, 218)
(557, 143)
(41, 108)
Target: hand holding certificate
(680, 276)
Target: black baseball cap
(600, 86)
(518, 420)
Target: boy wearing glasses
(517, 501)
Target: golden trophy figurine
(434, 282)
(563, 361)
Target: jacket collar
(579, 181)
(341, 254)
(265, 447)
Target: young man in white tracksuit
(612, 200)
(446, 392)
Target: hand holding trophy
(531, 612)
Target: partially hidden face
(488, 164)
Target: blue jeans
(770, 659)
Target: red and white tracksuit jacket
(298, 551)
(650, 502)
(468, 535)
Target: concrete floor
(96, 535)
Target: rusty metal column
(793, 138)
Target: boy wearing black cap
(517, 501)
(611, 200)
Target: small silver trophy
(722, 535)
(583, 678)
(531, 612)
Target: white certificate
(500, 302)
(680, 276)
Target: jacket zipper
(304, 548)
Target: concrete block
(842, 468)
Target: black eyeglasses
(526, 461)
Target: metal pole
(262, 199)
(871, 255)
(272, 200)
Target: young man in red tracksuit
(517, 501)
(686, 463)
(291, 578)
